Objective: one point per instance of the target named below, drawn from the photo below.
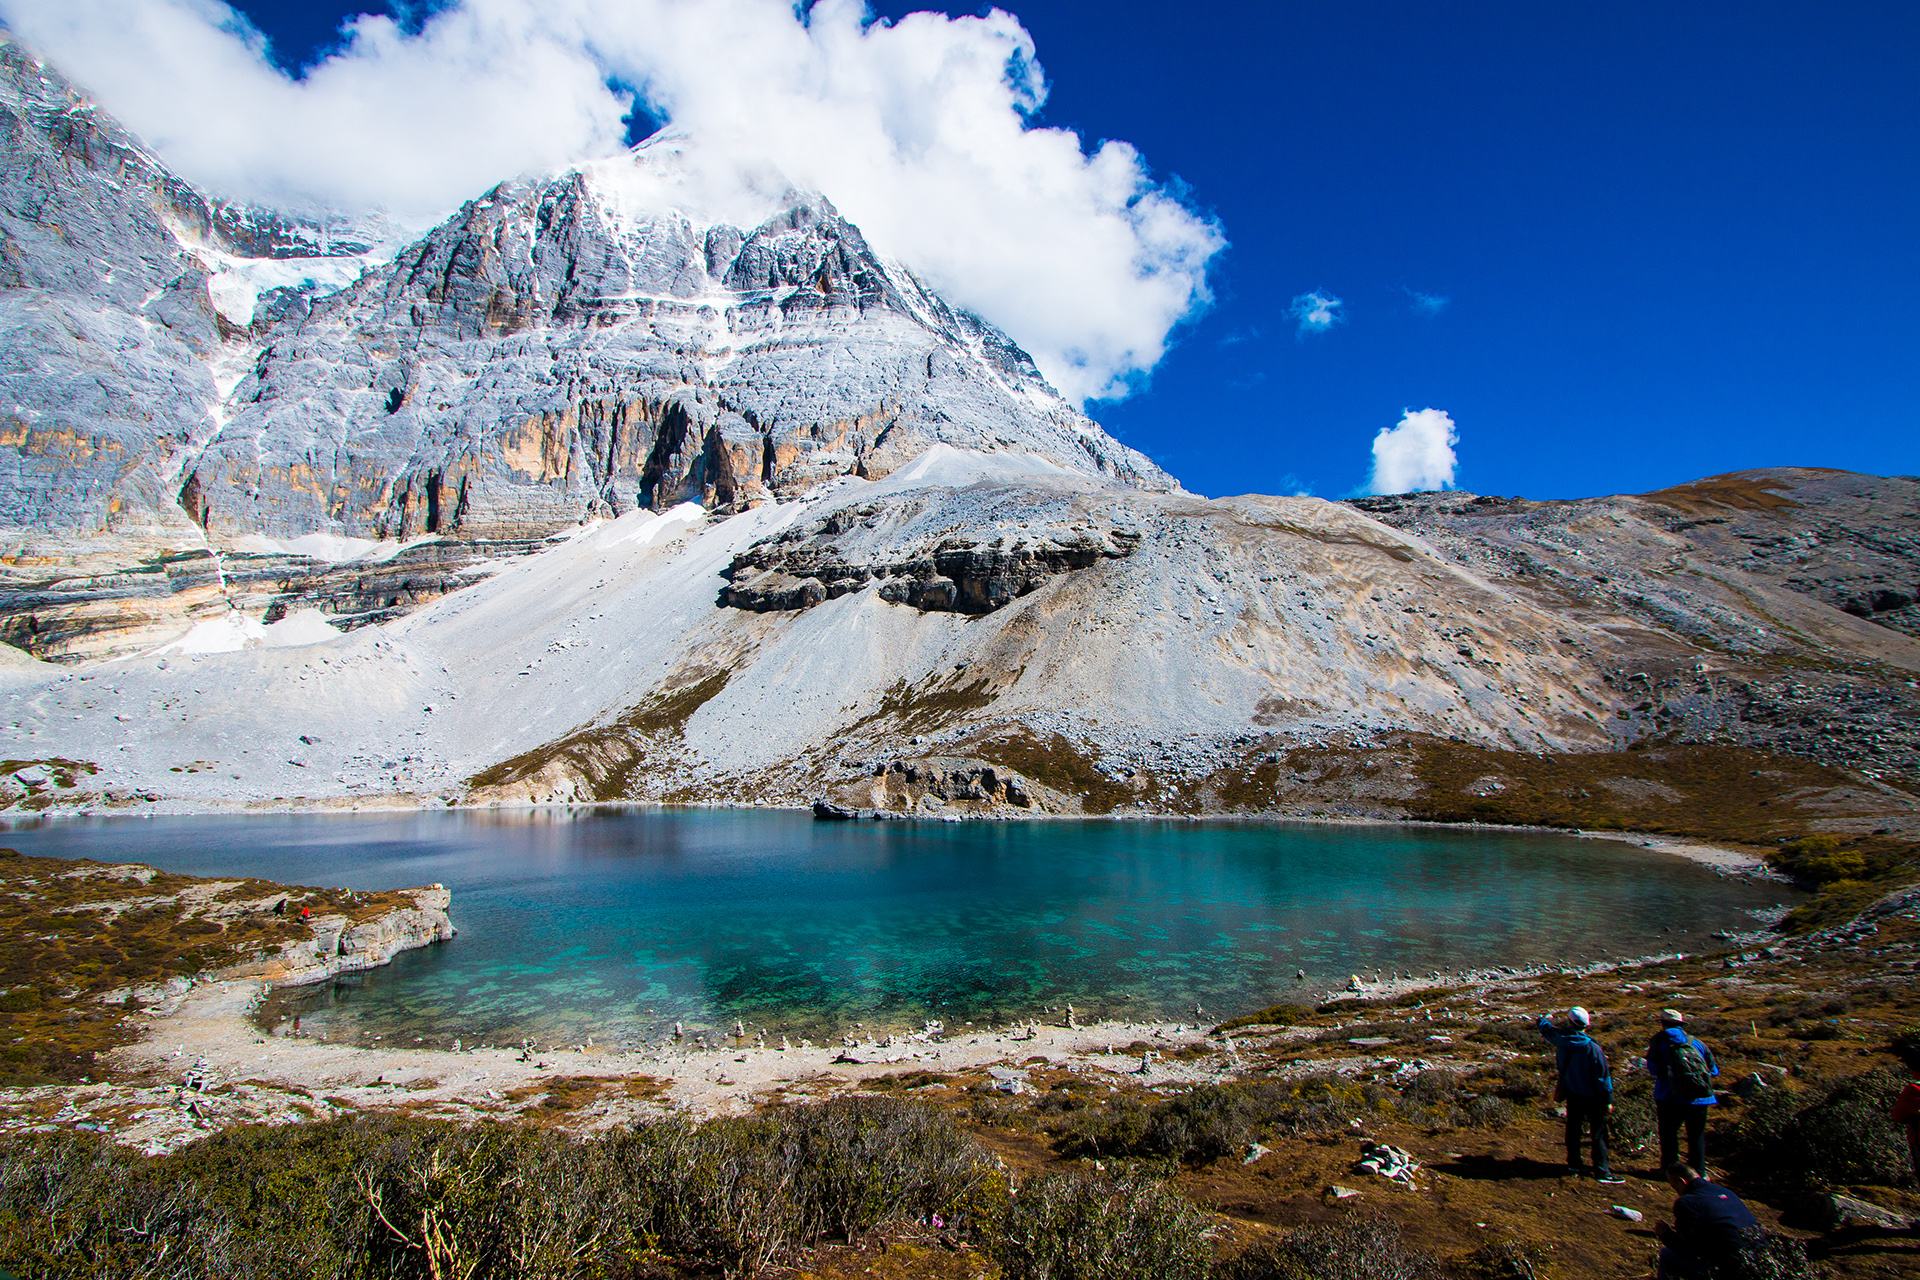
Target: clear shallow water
(618, 922)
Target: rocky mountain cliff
(552, 354)
(111, 341)
(599, 491)
(187, 380)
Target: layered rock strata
(339, 945)
(976, 573)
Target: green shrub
(1203, 1124)
(1906, 1046)
(1451, 1100)
(1211, 1121)
(1116, 1130)
(1508, 1260)
(1074, 1226)
(1522, 1034)
(1819, 860)
(75, 1207)
(1821, 1135)
(742, 1194)
(1274, 1015)
(1353, 1249)
(865, 1161)
(395, 1198)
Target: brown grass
(558, 1097)
(1058, 764)
(932, 704)
(75, 930)
(607, 756)
(1741, 493)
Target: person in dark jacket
(1586, 1086)
(1906, 1111)
(1683, 1070)
(1711, 1227)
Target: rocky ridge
(1238, 655)
(550, 354)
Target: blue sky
(1670, 243)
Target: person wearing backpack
(1586, 1087)
(1683, 1072)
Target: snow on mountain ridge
(562, 348)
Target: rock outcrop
(111, 341)
(339, 945)
(1729, 592)
(975, 573)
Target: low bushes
(1212, 1121)
(1274, 1015)
(1444, 1099)
(1076, 1226)
(1354, 1249)
(390, 1197)
(1819, 860)
(1794, 1140)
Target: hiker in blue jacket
(1683, 1073)
(1586, 1086)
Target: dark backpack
(1687, 1067)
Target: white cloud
(1316, 312)
(919, 130)
(1415, 454)
(1428, 304)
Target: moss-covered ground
(77, 931)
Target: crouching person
(1586, 1087)
(1712, 1232)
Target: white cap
(1579, 1017)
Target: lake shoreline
(1726, 857)
(206, 1037)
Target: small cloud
(1415, 454)
(1235, 337)
(1316, 312)
(1427, 304)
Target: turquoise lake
(618, 922)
